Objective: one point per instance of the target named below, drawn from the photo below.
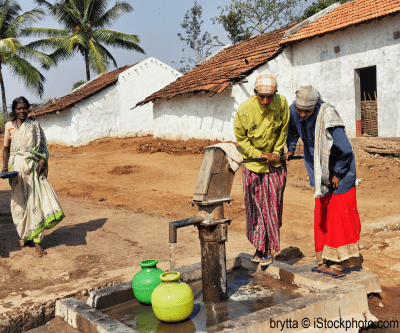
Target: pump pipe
(263, 159)
(173, 226)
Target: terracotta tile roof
(227, 67)
(348, 14)
(94, 86)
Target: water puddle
(248, 292)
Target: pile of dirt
(192, 146)
(124, 170)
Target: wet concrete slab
(248, 292)
(332, 300)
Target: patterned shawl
(327, 117)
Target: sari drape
(34, 204)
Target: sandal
(266, 263)
(316, 269)
(335, 275)
(256, 258)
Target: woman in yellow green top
(261, 129)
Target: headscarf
(307, 97)
(265, 84)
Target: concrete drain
(284, 294)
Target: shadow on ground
(72, 235)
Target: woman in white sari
(34, 205)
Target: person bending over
(261, 127)
(330, 163)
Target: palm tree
(84, 30)
(14, 55)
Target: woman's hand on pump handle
(41, 167)
(272, 158)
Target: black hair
(15, 102)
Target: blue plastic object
(10, 174)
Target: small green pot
(146, 280)
(172, 300)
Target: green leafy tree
(261, 15)
(320, 5)
(16, 56)
(78, 84)
(200, 44)
(85, 23)
(234, 24)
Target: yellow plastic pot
(172, 300)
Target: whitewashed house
(346, 51)
(103, 107)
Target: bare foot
(40, 250)
(23, 243)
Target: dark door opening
(368, 96)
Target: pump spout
(173, 226)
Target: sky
(156, 22)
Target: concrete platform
(336, 301)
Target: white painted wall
(93, 118)
(205, 117)
(133, 86)
(332, 74)
(108, 113)
(309, 62)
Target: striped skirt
(263, 199)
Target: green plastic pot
(172, 300)
(146, 280)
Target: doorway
(368, 95)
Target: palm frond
(70, 15)
(61, 54)
(44, 32)
(9, 12)
(108, 36)
(8, 47)
(28, 74)
(97, 59)
(24, 21)
(78, 39)
(46, 62)
(94, 9)
(50, 43)
(118, 39)
(108, 55)
(44, 3)
(113, 14)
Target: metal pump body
(213, 188)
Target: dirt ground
(119, 195)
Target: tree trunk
(3, 97)
(87, 66)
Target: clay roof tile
(92, 87)
(346, 15)
(225, 68)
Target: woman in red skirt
(330, 163)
